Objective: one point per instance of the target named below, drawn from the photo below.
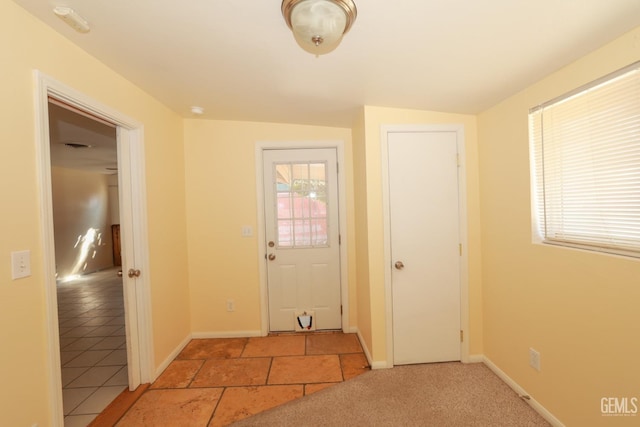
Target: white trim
(462, 203)
(544, 413)
(131, 130)
(475, 358)
(227, 334)
(380, 364)
(373, 364)
(171, 357)
(342, 215)
(48, 251)
(201, 335)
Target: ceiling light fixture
(72, 18)
(318, 25)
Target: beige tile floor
(215, 382)
(92, 344)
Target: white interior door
(425, 246)
(130, 241)
(302, 237)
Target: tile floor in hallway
(214, 382)
(92, 344)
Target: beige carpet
(441, 394)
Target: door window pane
(301, 206)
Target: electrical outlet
(231, 305)
(534, 359)
(20, 264)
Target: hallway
(92, 344)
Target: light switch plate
(534, 359)
(20, 264)
(247, 231)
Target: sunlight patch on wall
(87, 247)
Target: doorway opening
(132, 218)
(86, 223)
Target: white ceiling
(68, 129)
(239, 61)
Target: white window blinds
(586, 165)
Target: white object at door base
(304, 321)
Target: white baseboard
(380, 365)
(374, 365)
(226, 334)
(522, 392)
(367, 354)
(351, 330)
(196, 335)
(475, 358)
(160, 369)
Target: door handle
(272, 257)
(133, 273)
(119, 273)
(399, 265)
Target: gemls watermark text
(619, 406)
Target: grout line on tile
(193, 378)
(83, 400)
(266, 380)
(213, 413)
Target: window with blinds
(585, 165)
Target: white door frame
(462, 203)
(342, 221)
(132, 193)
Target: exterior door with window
(302, 237)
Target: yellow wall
(221, 198)
(368, 170)
(580, 310)
(80, 202)
(28, 44)
(362, 241)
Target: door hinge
(339, 239)
(340, 309)
(337, 167)
(460, 248)
(461, 336)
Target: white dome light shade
(318, 25)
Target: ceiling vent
(76, 145)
